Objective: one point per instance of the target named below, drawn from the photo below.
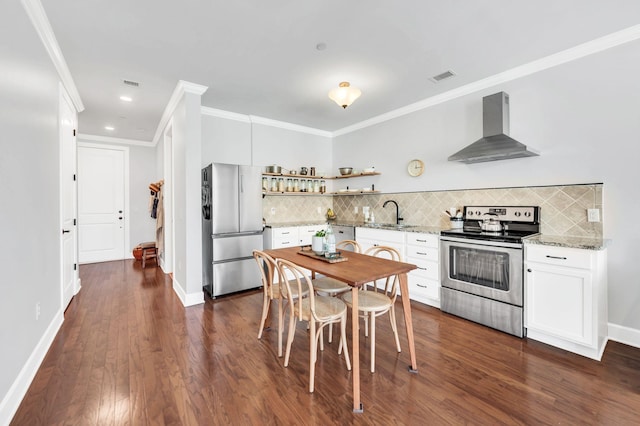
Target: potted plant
(317, 242)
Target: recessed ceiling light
(110, 128)
(321, 46)
(125, 98)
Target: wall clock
(415, 167)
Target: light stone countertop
(541, 239)
(570, 242)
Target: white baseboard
(10, 403)
(187, 299)
(628, 336)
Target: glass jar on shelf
(323, 186)
(280, 184)
(316, 186)
(303, 185)
(274, 185)
(265, 183)
(289, 185)
(296, 185)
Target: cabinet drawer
(428, 253)
(560, 256)
(422, 240)
(420, 287)
(285, 237)
(426, 268)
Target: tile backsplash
(563, 208)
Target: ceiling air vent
(443, 76)
(131, 83)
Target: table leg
(355, 352)
(406, 307)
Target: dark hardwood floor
(129, 353)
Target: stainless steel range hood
(495, 143)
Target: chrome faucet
(398, 218)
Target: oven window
(482, 267)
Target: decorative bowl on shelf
(345, 170)
(369, 170)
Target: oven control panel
(511, 213)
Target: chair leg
(292, 329)
(265, 310)
(313, 354)
(373, 342)
(280, 326)
(394, 327)
(330, 333)
(343, 339)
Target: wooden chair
(331, 286)
(319, 311)
(377, 301)
(271, 292)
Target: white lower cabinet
(275, 238)
(566, 298)
(424, 282)
(306, 232)
(368, 238)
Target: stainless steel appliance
(495, 144)
(231, 227)
(482, 271)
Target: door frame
(127, 229)
(68, 186)
(169, 212)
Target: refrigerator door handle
(241, 183)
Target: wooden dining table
(356, 271)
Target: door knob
(65, 231)
(120, 218)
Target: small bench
(149, 251)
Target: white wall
(187, 148)
(142, 171)
(584, 116)
(30, 209)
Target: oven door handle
(482, 242)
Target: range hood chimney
(495, 143)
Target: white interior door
(67, 119)
(101, 204)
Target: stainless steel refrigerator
(231, 227)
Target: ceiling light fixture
(126, 98)
(344, 95)
(110, 128)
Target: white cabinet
(368, 237)
(424, 283)
(275, 238)
(566, 298)
(306, 232)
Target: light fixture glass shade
(344, 95)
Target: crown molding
(39, 19)
(219, 113)
(253, 119)
(290, 126)
(181, 88)
(585, 49)
(83, 137)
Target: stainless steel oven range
(482, 265)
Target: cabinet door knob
(529, 270)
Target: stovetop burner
(518, 222)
